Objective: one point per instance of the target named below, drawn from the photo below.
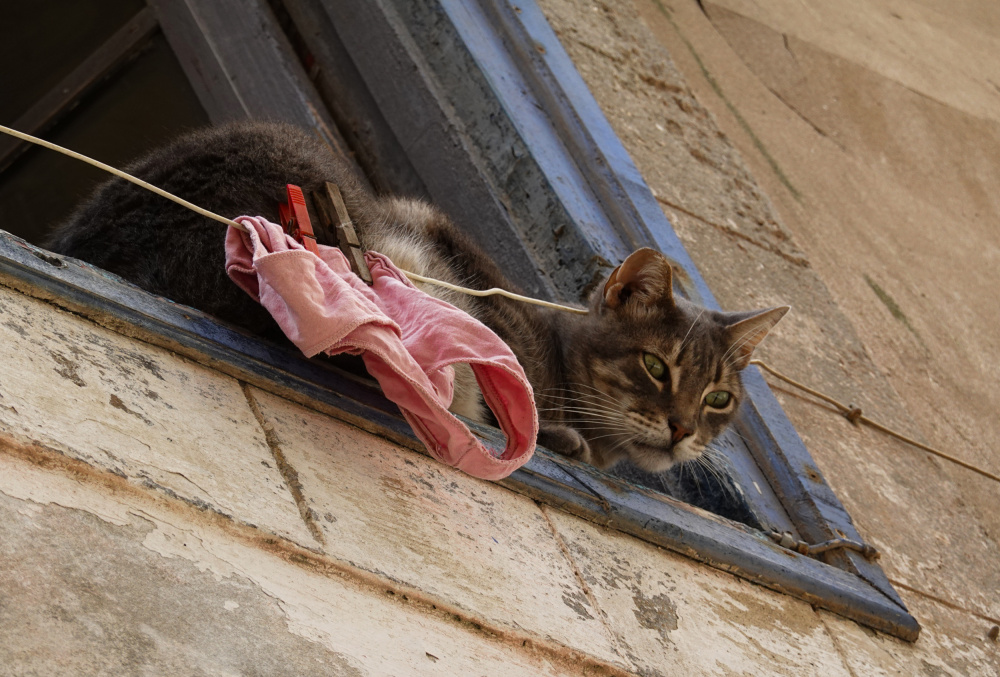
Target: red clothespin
(295, 218)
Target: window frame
(457, 65)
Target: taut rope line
(853, 414)
(229, 222)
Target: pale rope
(120, 173)
(229, 222)
(496, 291)
(852, 413)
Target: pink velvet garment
(407, 340)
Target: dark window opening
(143, 101)
(42, 42)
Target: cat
(645, 375)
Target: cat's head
(658, 377)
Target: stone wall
(160, 517)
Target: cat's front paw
(564, 440)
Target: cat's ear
(744, 331)
(644, 277)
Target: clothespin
(295, 218)
(334, 217)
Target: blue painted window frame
(481, 95)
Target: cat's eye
(717, 399)
(654, 366)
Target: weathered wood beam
(242, 66)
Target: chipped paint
(349, 617)
(90, 393)
(673, 616)
(655, 613)
(578, 602)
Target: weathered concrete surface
(104, 578)
(951, 643)
(119, 607)
(140, 412)
(414, 520)
(851, 166)
(674, 617)
(143, 534)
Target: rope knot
(853, 414)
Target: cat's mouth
(656, 458)
(652, 457)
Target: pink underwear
(407, 339)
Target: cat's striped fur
(599, 400)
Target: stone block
(140, 412)
(104, 580)
(409, 518)
(673, 616)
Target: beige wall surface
(159, 517)
(162, 518)
(843, 158)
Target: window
(434, 95)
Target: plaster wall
(159, 517)
(840, 157)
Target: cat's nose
(678, 431)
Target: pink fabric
(408, 340)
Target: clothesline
(229, 222)
(489, 292)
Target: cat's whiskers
(603, 429)
(736, 432)
(713, 460)
(545, 414)
(690, 468)
(627, 441)
(614, 410)
(601, 412)
(596, 392)
(586, 404)
(585, 417)
(585, 399)
(589, 405)
(570, 394)
(577, 405)
(693, 323)
(616, 434)
(605, 421)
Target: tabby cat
(646, 375)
